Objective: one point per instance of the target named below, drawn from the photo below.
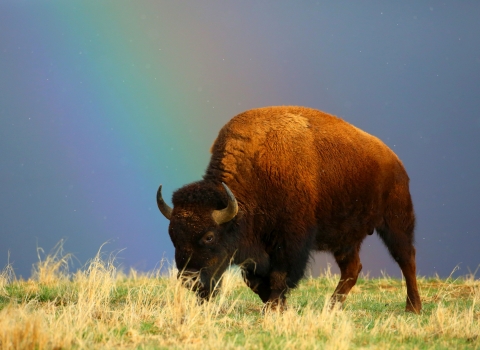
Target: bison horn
(227, 214)
(164, 208)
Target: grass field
(100, 307)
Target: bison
(282, 183)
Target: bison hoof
(412, 309)
(414, 305)
(336, 301)
(335, 305)
(276, 305)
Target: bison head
(201, 228)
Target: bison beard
(283, 182)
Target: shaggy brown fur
(304, 180)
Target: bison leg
(397, 234)
(259, 285)
(408, 266)
(349, 263)
(402, 250)
(278, 284)
(290, 264)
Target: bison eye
(208, 238)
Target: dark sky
(100, 102)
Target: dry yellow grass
(99, 307)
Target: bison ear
(227, 214)
(164, 208)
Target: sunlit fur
(305, 181)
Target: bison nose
(188, 274)
(190, 279)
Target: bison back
(301, 166)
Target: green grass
(100, 307)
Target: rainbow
(114, 98)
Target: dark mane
(200, 193)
